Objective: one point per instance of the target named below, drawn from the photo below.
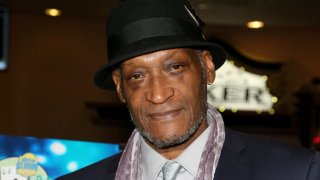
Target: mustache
(162, 109)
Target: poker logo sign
(235, 88)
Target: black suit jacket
(243, 157)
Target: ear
(209, 66)
(116, 76)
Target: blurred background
(49, 57)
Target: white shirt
(152, 161)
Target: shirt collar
(152, 161)
(190, 157)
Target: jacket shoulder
(266, 146)
(104, 169)
(265, 155)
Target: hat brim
(103, 77)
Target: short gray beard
(167, 143)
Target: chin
(172, 140)
(160, 137)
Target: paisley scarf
(129, 165)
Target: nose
(158, 91)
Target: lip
(167, 115)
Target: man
(160, 65)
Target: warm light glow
(265, 78)
(316, 140)
(222, 108)
(258, 111)
(255, 24)
(203, 6)
(271, 111)
(238, 90)
(53, 12)
(274, 99)
(231, 62)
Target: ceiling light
(255, 24)
(53, 12)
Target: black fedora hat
(137, 27)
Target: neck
(175, 151)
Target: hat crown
(131, 11)
(137, 27)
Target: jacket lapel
(232, 163)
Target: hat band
(152, 27)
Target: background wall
(297, 49)
(52, 62)
(50, 77)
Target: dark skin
(164, 93)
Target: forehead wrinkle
(165, 54)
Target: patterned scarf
(129, 165)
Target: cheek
(193, 94)
(190, 86)
(135, 104)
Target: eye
(135, 76)
(176, 67)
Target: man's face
(165, 92)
